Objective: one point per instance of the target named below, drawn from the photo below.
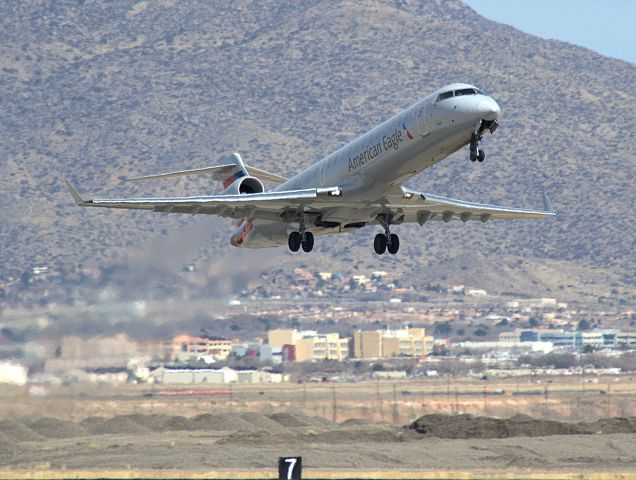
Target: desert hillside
(94, 92)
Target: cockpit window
(444, 96)
(465, 91)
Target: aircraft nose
(489, 109)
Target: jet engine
(245, 185)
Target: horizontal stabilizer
(218, 172)
(547, 204)
(265, 176)
(75, 194)
(222, 171)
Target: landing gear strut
(386, 241)
(302, 238)
(477, 154)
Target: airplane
(356, 186)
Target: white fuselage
(378, 162)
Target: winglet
(76, 196)
(547, 204)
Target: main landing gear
(301, 238)
(476, 153)
(297, 240)
(386, 241)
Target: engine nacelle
(245, 185)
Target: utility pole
(396, 417)
(456, 404)
(379, 399)
(334, 416)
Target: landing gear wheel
(379, 244)
(394, 244)
(481, 156)
(308, 242)
(294, 241)
(473, 157)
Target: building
(187, 376)
(281, 337)
(260, 376)
(13, 373)
(309, 346)
(220, 376)
(626, 339)
(264, 353)
(503, 346)
(595, 339)
(313, 346)
(185, 347)
(406, 342)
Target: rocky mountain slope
(95, 92)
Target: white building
(203, 375)
(13, 373)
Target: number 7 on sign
(290, 470)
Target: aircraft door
(422, 124)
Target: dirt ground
(255, 441)
(336, 428)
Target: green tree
(584, 325)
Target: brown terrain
(397, 427)
(96, 94)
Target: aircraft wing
(422, 207)
(268, 205)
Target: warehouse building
(215, 376)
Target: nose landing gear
(477, 154)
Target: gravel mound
(18, 431)
(295, 419)
(353, 435)
(611, 425)
(55, 428)
(6, 442)
(120, 425)
(90, 422)
(177, 423)
(360, 434)
(260, 421)
(152, 421)
(468, 426)
(352, 422)
(229, 422)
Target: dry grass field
(398, 402)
